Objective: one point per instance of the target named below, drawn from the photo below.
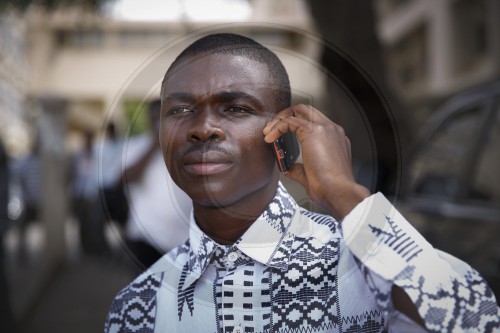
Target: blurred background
(416, 85)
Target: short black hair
(228, 43)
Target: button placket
(232, 257)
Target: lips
(206, 163)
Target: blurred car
(452, 190)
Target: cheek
(256, 144)
(259, 152)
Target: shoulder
(319, 225)
(318, 218)
(134, 307)
(317, 234)
(134, 304)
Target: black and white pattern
(398, 240)
(306, 295)
(134, 308)
(379, 288)
(321, 219)
(473, 306)
(281, 256)
(200, 257)
(240, 292)
(294, 271)
(185, 294)
(369, 322)
(448, 294)
(280, 210)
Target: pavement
(78, 298)
(73, 297)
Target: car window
(438, 165)
(486, 181)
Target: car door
(452, 191)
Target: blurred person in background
(108, 158)
(159, 210)
(86, 207)
(27, 173)
(6, 316)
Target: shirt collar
(268, 240)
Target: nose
(205, 128)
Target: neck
(226, 224)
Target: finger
(285, 125)
(277, 118)
(297, 173)
(299, 111)
(310, 113)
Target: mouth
(207, 168)
(207, 163)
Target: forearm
(341, 202)
(419, 281)
(340, 205)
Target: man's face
(213, 112)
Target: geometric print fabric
(241, 295)
(306, 295)
(297, 288)
(134, 308)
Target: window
(81, 38)
(469, 33)
(408, 58)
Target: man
(110, 184)
(255, 261)
(159, 210)
(86, 208)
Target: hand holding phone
(326, 168)
(286, 149)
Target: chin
(210, 196)
(212, 202)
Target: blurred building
(14, 82)
(102, 66)
(105, 65)
(80, 69)
(437, 48)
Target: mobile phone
(286, 149)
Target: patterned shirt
(298, 271)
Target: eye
(237, 109)
(179, 109)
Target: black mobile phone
(287, 150)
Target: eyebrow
(227, 96)
(223, 96)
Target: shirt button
(237, 329)
(232, 258)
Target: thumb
(298, 174)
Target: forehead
(210, 73)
